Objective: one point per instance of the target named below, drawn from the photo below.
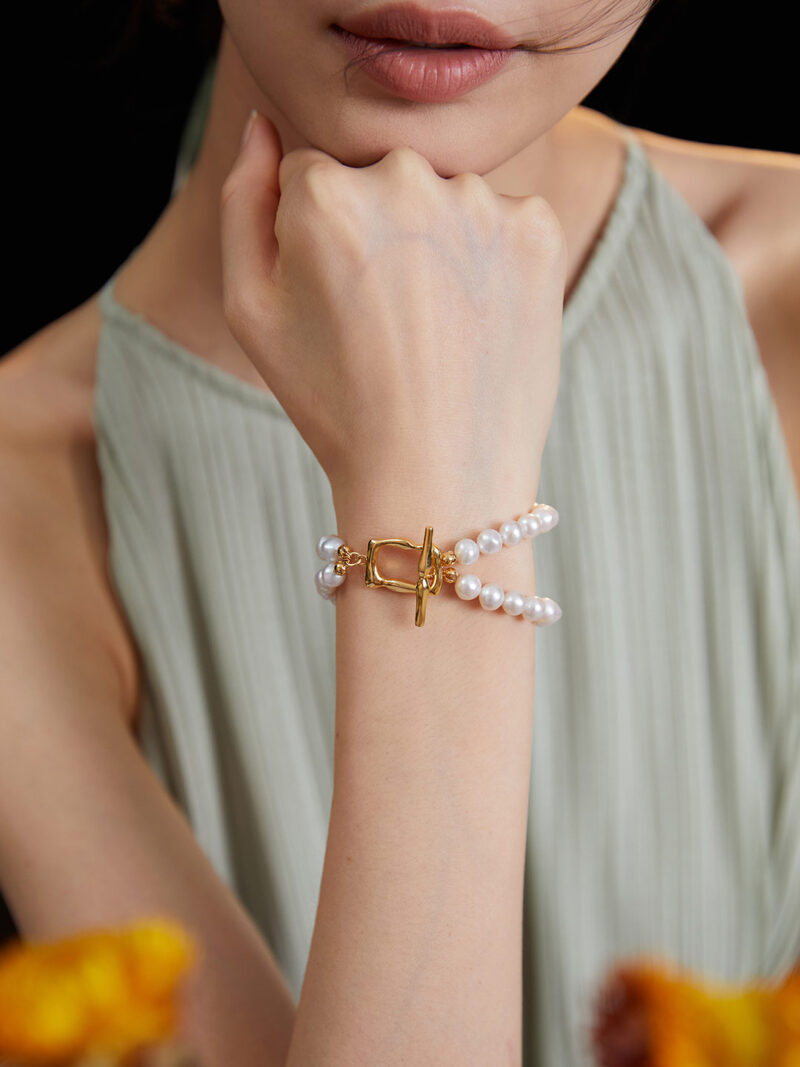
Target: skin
(54, 531)
(571, 156)
(535, 155)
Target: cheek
(597, 41)
(284, 47)
(262, 35)
(570, 76)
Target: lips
(411, 24)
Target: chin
(359, 133)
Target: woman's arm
(416, 953)
(88, 834)
(410, 326)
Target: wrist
(457, 558)
(380, 510)
(372, 516)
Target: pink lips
(380, 41)
(408, 22)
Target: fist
(409, 324)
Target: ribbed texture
(665, 791)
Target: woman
(355, 337)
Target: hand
(409, 324)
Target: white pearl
(551, 612)
(468, 586)
(513, 602)
(329, 576)
(491, 596)
(466, 551)
(489, 542)
(511, 532)
(322, 589)
(533, 609)
(530, 525)
(328, 546)
(547, 516)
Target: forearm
(416, 953)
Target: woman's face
(296, 63)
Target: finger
(248, 204)
(299, 159)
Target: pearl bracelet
(436, 567)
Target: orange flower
(99, 993)
(647, 1016)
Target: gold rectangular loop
(430, 561)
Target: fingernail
(251, 118)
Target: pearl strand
(539, 610)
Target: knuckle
(299, 159)
(540, 227)
(315, 171)
(474, 185)
(303, 167)
(541, 218)
(405, 159)
(318, 183)
(482, 198)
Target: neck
(175, 277)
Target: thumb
(248, 204)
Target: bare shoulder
(53, 533)
(748, 198)
(750, 201)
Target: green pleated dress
(665, 784)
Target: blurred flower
(99, 995)
(647, 1016)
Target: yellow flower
(105, 992)
(651, 1017)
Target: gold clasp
(427, 584)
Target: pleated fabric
(665, 787)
